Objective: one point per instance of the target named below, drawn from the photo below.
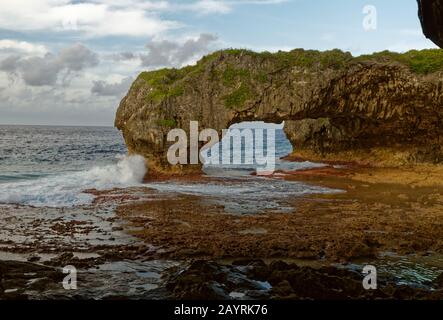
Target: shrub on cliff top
(164, 81)
(419, 61)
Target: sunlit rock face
(332, 103)
(431, 17)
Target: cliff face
(332, 103)
(431, 17)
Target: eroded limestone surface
(331, 101)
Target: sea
(52, 166)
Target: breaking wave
(66, 190)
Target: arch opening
(252, 147)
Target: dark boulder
(431, 17)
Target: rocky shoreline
(154, 243)
(254, 279)
(375, 122)
(209, 280)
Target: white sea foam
(65, 190)
(246, 170)
(246, 194)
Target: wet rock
(211, 280)
(438, 283)
(281, 265)
(345, 249)
(208, 280)
(202, 280)
(18, 279)
(309, 283)
(62, 259)
(68, 258)
(34, 258)
(256, 269)
(283, 290)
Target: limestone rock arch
(331, 102)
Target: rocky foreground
(209, 280)
(139, 243)
(204, 280)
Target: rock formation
(431, 17)
(332, 103)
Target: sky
(70, 62)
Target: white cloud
(44, 71)
(72, 105)
(117, 89)
(42, 84)
(168, 53)
(7, 45)
(92, 18)
(206, 7)
(103, 20)
(209, 7)
(106, 18)
(159, 5)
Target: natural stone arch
(330, 101)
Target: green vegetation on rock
(232, 70)
(162, 83)
(262, 77)
(238, 98)
(167, 123)
(334, 59)
(419, 61)
(231, 74)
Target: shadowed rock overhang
(431, 17)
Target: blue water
(53, 166)
(31, 152)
